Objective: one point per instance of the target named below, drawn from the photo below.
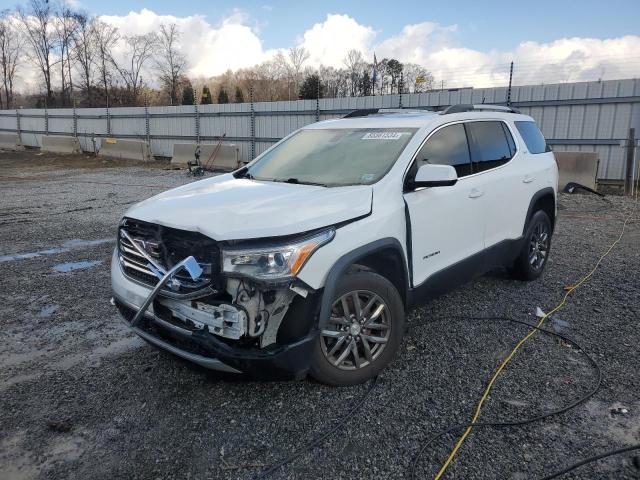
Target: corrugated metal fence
(586, 116)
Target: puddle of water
(71, 266)
(48, 311)
(66, 247)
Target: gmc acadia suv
(305, 260)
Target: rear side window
(532, 137)
(448, 146)
(490, 146)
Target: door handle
(528, 179)
(475, 193)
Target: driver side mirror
(435, 176)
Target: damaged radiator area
(238, 311)
(253, 317)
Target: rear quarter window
(532, 137)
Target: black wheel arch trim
(348, 259)
(537, 196)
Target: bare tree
(139, 49)
(40, 32)
(354, 63)
(170, 61)
(104, 37)
(297, 57)
(11, 44)
(416, 78)
(85, 52)
(66, 24)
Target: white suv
(305, 260)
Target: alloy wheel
(539, 246)
(357, 331)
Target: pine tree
(206, 96)
(239, 95)
(188, 95)
(222, 96)
(309, 88)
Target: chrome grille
(164, 247)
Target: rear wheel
(535, 251)
(363, 333)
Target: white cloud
(210, 50)
(328, 42)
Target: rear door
(447, 223)
(500, 169)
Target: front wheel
(363, 332)
(535, 251)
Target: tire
(534, 255)
(371, 354)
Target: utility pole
(629, 176)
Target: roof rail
(464, 107)
(363, 112)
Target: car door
(500, 168)
(446, 223)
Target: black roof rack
(465, 107)
(363, 112)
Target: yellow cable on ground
(508, 358)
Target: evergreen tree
(239, 95)
(206, 96)
(366, 83)
(309, 88)
(188, 95)
(222, 96)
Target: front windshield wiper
(243, 173)
(297, 181)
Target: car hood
(227, 208)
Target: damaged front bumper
(277, 360)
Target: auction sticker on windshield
(382, 136)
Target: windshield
(358, 156)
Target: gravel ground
(81, 397)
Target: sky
(571, 40)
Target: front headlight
(276, 262)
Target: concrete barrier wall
(226, 158)
(10, 141)
(129, 149)
(60, 144)
(578, 167)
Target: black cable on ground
(321, 438)
(595, 458)
(515, 423)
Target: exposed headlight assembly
(273, 262)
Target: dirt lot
(81, 397)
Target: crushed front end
(246, 312)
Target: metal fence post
(253, 125)
(510, 81)
(400, 88)
(318, 101)
(75, 120)
(631, 146)
(197, 120)
(147, 126)
(18, 129)
(46, 121)
(108, 123)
